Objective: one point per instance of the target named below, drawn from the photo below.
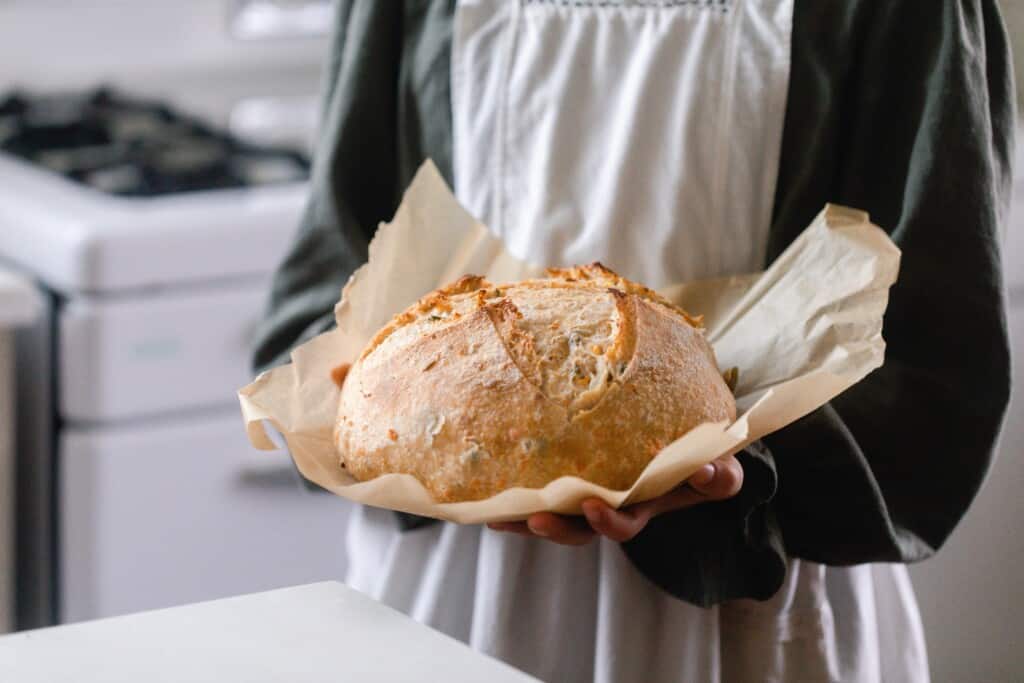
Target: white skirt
(586, 614)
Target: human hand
(719, 480)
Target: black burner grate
(134, 148)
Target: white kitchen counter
(319, 632)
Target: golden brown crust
(477, 388)
(599, 272)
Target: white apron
(646, 135)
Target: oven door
(167, 512)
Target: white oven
(136, 486)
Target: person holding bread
(674, 140)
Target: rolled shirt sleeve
(905, 110)
(354, 183)
(925, 144)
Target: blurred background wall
(970, 594)
(1013, 13)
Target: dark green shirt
(903, 108)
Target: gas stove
(133, 148)
(152, 236)
(103, 192)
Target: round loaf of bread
(477, 388)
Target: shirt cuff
(715, 552)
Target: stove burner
(133, 148)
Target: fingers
(618, 525)
(555, 528)
(511, 527)
(676, 499)
(622, 525)
(600, 519)
(560, 529)
(718, 480)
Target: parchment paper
(801, 332)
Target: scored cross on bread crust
(478, 387)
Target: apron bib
(645, 135)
